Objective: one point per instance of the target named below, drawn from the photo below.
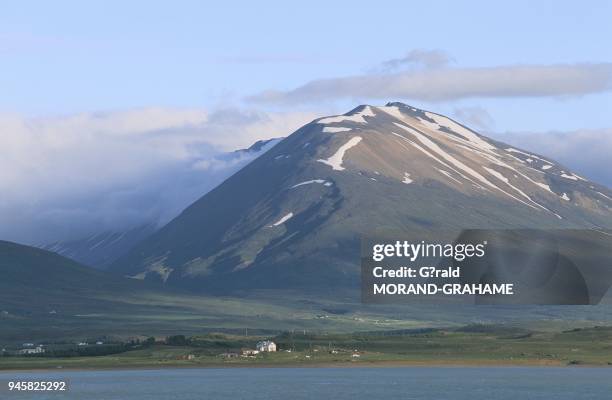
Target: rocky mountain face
(293, 218)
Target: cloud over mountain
(443, 84)
(62, 176)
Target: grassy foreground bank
(471, 345)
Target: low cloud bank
(67, 177)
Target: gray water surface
(494, 383)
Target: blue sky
(104, 103)
(66, 57)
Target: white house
(36, 350)
(266, 345)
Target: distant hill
(293, 217)
(40, 281)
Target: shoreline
(373, 364)
(495, 347)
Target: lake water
(328, 383)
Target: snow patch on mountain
(428, 154)
(543, 186)
(456, 163)
(466, 133)
(284, 219)
(496, 174)
(513, 150)
(309, 182)
(494, 158)
(335, 161)
(439, 151)
(448, 175)
(507, 182)
(607, 197)
(428, 124)
(357, 117)
(336, 129)
(566, 176)
(393, 111)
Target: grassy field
(160, 314)
(471, 345)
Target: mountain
(293, 217)
(102, 248)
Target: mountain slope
(294, 216)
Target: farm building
(266, 345)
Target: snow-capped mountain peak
(399, 139)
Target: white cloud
(419, 58)
(442, 84)
(63, 177)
